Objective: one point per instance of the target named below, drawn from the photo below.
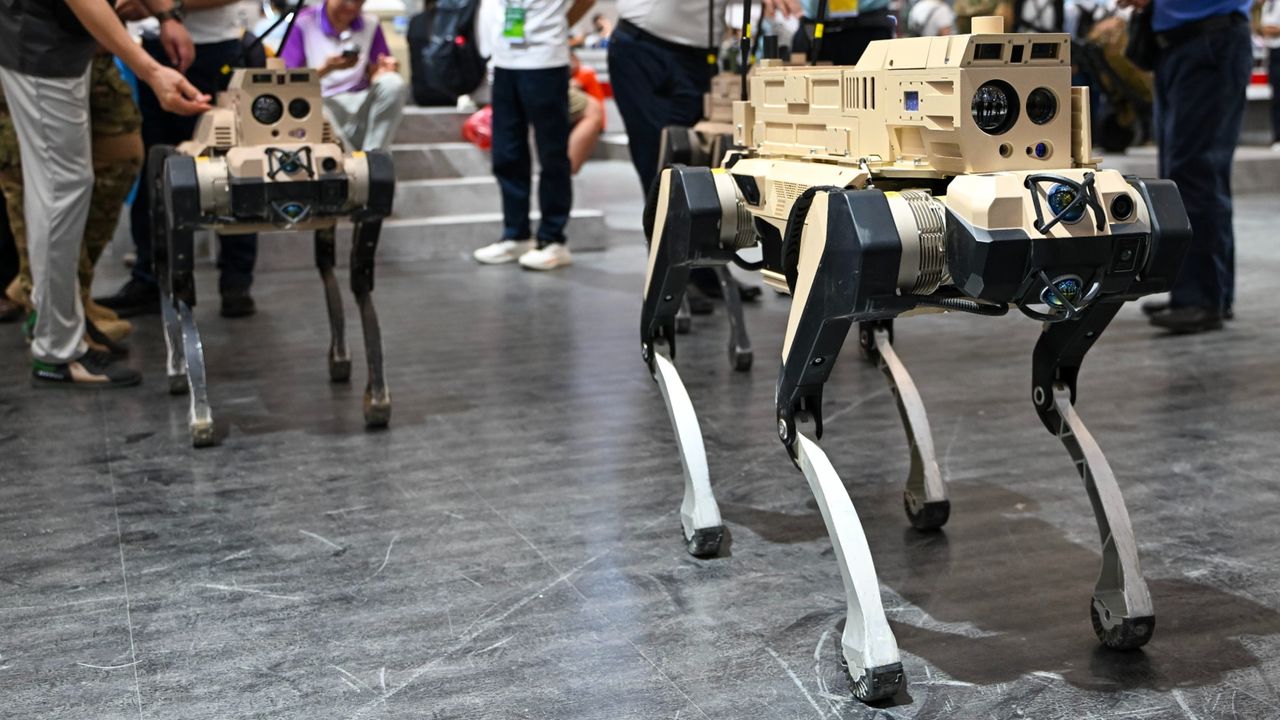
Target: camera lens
(299, 108)
(995, 107)
(1122, 207)
(1062, 197)
(1042, 106)
(267, 109)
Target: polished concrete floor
(510, 547)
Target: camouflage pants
(117, 157)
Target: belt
(633, 31)
(1183, 33)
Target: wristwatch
(174, 13)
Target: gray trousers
(367, 119)
(51, 117)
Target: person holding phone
(364, 93)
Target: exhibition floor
(511, 546)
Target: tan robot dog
(939, 174)
(266, 159)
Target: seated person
(364, 94)
(586, 112)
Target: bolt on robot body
(266, 159)
(938, 174)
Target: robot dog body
(266, 159)
(939, 174)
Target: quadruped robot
(939, 174)
(266, 159)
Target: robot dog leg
(176, 267)
(844, 273)
(364, 245)
(692, 229)
(925, 499)
(1121, 610)
(339, 357)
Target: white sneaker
(503, 251)
(1275, 147)
(548, 258)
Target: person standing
(851, 25)
(531, 87)
(216, 28)
(364, 93)
(1203, 61)
(1270, 32)
(46, 47)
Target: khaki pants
(51, 117)
(368, 119)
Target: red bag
(478, 129)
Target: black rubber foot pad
(878, 683)
(932, 515)
(1128, 634)
(705, 542)
(742, 360)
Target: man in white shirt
(531, 87)
(931, 18)
(216, 27)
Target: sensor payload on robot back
(926, 107)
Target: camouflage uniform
(117, 157)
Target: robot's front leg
(688, 220)
(925, 498)
(181, 201)
(364, 246)
(1121, 610)
(842, 270)
(339, 357)
(175, 362)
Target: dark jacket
(43, 38)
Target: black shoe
(137, 297)
(1155, 307)
(94, 370)
(112, 348)
(1188, 320)
(237, 304)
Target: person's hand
(1137, 4)
(132, 10)
(175, 93)
(337, 62)
(177, 44)
(385, 64)
(788, 8)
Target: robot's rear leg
(869, 650)
(339, 357)
(687, 208)
(1121, 609)
(740, 354)
(925, 498)
(364, 246)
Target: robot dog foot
(1120, 633)
(877, 683)
(705, 542)
(377, 408)
(926, 515)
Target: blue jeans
(1199, 108)
(238, 253)
(539, 98)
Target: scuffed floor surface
(510, 548)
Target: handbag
(1141, 50)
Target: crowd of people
(73, 137)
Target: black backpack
(446, 60)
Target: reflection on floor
(511, 546)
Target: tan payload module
(939, 174)
(266, 159)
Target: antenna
(745, 45)
(818, 28)
(291, 16)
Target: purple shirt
(314, 39)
